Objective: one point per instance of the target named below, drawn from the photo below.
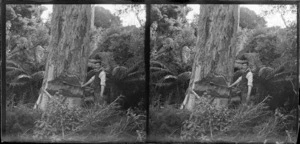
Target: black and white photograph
(148, 71)
(75, 73)
(223, 73)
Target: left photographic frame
(75, 72)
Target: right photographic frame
(223, 72)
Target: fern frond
(11, 63)
(38, 75)
(265, 72)
(158, 74)
(16, 83)
(158, 64)
(135, 80)
(284, 76)
(24, 77)
(178, 65)
(185, 76)
(166, 80)
(119, 72)
(135, 74)
(277, 70)
(170, 77)
(21, 80)
(14, 69)
(163, 84)
(135, 67)
(153, 69)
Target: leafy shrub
(205, 119)
(245, 117)
(275, 125)
(131, 123)
(167, 121)
(59, 122)
(287, 119)
(267, 128)
(20, 119)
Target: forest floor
(239, 138)
(101, 123)
(170, 124)
(91, 138)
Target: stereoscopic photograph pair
(150, 72)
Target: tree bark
(68, 51)
(215, 55)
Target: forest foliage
(27, 40)
(173, 47)
(170, 33)
(272, 54)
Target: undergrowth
(205, 120)
(100, 123)
(166, 122)
(208, 123)
(20, 119)
(104, 123)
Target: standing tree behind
(217, 28)
(68, 51)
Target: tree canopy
(27, 39)
(105, 19)
(250, 20)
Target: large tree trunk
(215, 56)
(68, 53)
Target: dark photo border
(146, 40)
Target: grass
(91, 138)
(100, 123)
(109, 124)
(254, 123)
(166, 121)
(231, 138)
(253, 138)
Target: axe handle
(197, 96)
(71, 84)
(46, 92)
(219, 85)
(51, 97)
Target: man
(246, 82)
(98, 80)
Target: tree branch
(283, 19)
(293, 87)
